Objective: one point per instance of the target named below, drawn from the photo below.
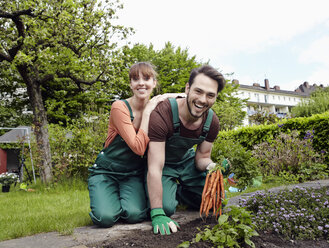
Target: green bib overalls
(180, 167)
(116, 184)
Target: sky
(285, 41)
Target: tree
(46, 41)
(14, 108)
(317, 103)
(229, 107)
(173, 66)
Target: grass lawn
(56, 208)
(61, 207)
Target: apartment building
(272, 99)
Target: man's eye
(146, 78)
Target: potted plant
(6, 179)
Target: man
(175, 126)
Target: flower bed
(298, 213)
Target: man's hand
(211, 166)
(162, 223)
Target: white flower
(8, 178)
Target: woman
(116, 180)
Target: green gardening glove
(162, 223)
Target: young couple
(169, 126)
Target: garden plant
(291, 157)
(8, 178)
(234, 228)
(298, 213)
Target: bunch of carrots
(213, 193)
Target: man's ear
(187, 88)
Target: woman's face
(142, 86)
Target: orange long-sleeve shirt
(120, 123)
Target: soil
(188, 232)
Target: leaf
(222, 219)
(249, 242)
(185, 244)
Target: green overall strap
(207, 124)
(175, 116)
(130, 111)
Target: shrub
(291, 157)
(243, 165)
(253, 135)
(75, 147)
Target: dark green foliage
(75, 147)
(243, 165)
(253, 135)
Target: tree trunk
(41, 124)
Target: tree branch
(16, 18)
(5, 57)
(80, 81)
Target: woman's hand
(159, 98)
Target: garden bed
(188, 232)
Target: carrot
(209, 207)
(222, 186)
(213, 193)
(218, 194)
(204, 194)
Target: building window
(279, 97)
(273, 97)
(265, 98)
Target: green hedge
(252, 135)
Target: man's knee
(104, 219)
(170, 207)
(134, 215)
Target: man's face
(201, 95)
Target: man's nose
(203, 98)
